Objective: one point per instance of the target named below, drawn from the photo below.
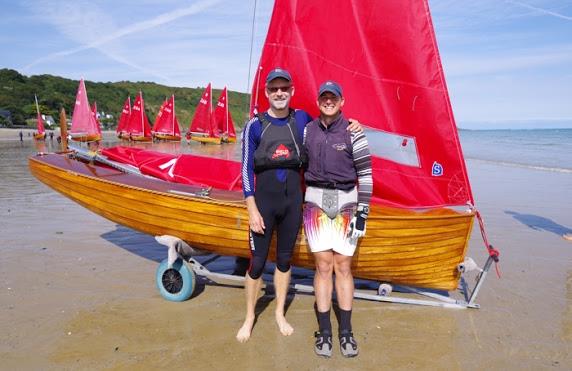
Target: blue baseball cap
(332, 87)
(278, 73)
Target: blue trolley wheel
(176, 283)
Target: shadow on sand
(540, 223)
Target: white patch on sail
(398, 148)
(171, 165)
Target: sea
(539, 149)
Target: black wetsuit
(276, 161)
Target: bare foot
(284, 326)
(243, 333)
(567, 236)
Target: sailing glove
(357, 224)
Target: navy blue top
(251, 139)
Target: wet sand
(78, 292)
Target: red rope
(493, 253)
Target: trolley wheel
(176, 283)
(384, 289)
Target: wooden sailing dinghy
(84, 126)
(387, 62)
(124, 119)
(223, 119)
(40, 133)
(166, 125)
(202, 128)
(138, 128)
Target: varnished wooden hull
(209, 140)
(40, 136)
(401, 246)
(86, 138)
(166, 137)
(229, 140)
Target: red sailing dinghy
(387, 62)
(138, 128)
(84, 127)
(41, 133)
(124, 119)
(202, 128)
(223, 119)
(166, 125)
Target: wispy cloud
(86, 29)
(540, 10)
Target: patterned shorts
(324, 233)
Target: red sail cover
(138, 122)
(184, 168)
(96, 116)
(384, 54)
(167, 122)
(83, 122)
(124, 118)
(223, 119)
(203, 123)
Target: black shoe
(348, 344)
(323, 346)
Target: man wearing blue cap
(339, 185)
(272, 150)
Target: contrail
(544, 11)
(137, 27)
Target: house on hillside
(5, 118)
(49, 120)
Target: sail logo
(169, 165)
(437, 169)
(281, 151)
(203, 101)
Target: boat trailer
(176, 278)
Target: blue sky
(508, 63)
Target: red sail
(138, 122)
(167, 122)
(223, 119)
(385, 56)
(41, 129)
(96, 116)
(83, 122)
(159, 115)
(124, 118)
(203, 123)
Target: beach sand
(78, 292)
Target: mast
(37, 107)
(173, 115)
(142, 109)
(226, 108)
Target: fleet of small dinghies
(422, 209)
(207, 125)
